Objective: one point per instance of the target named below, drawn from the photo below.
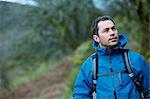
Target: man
(117, 84)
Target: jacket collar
(122, 42)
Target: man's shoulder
(134, 54)
(87, 65)
(136, 57)
(88, 60)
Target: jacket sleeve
(83, 85)
(142, 70)
(145, 76)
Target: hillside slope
(49, 86)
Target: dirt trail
(49, 86)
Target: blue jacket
(106, 85)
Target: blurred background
(44, 42)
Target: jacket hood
(121, 43)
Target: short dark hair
(95, 22)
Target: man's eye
(106, 30)
(113, 28)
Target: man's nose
(112, 33)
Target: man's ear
(96, 38)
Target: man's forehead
(105, 24)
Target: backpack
(128, 69)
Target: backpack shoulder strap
(127, 63)
(131, 73)
(94, 69)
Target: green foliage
(80, 54)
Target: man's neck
(107, 47)
(101, 46)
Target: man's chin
(113, 44)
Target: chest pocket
(121, 76)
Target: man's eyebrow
(106, 29)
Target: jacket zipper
(110, 60)
(120, 78)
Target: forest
(42, 46)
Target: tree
(66, 23)
(141, 8)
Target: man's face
(107, 34)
